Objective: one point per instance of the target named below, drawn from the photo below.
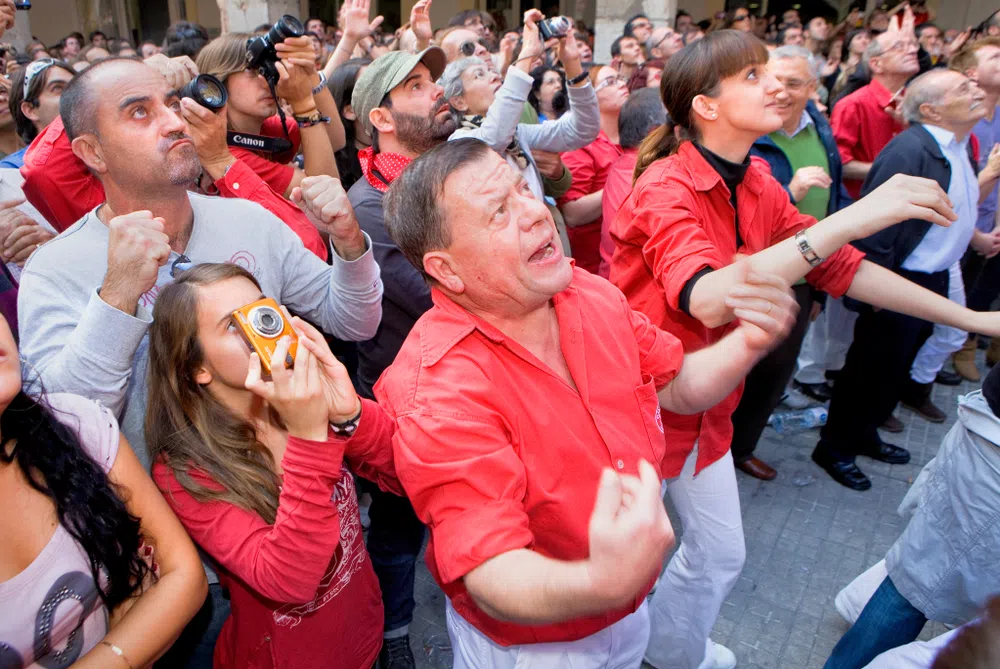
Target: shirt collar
(881, 94)
(448, 323)
(804, 120)
(944, 138)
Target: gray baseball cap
(388, 71)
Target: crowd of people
(513, 292)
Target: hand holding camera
(531, 42)
(137, 247)
(342, 401)
(296, 394)
(325, 203)
(208, 129)
(177, 71)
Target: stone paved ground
(804, 543)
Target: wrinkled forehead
(477, 185)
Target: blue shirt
(988, 134)
(15, 160)
(942, 247)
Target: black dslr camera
(261, 55)
(207, 91)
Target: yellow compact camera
(263, 324)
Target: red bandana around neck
(383, 168)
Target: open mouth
(544, 253)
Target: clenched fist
(325, 203)
(137, 247)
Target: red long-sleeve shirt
(303, 591)
(61, 187)
(679, 220)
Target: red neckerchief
(383, 168)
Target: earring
(714, 115)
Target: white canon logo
(249, 140)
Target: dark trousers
(395, 538)
(875, 373)
(982, 280)
(767, 381)
(888, 621)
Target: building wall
(51, 20)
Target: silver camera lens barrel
(266, 321)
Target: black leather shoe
(894, 455)
(396, 654)
(946, 378)
(846, 474)
(818, 391)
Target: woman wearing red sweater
(261, 480)
(696, 204)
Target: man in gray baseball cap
(405, 113)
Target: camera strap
(258, 142)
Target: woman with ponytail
(95, 571)
(701, 219)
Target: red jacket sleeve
(56, 182)
(276, 175)
(675, 244)
(835, 275)
(581, 165)
(286, 561)
(243, 182)
(369, 451)
(845, 126)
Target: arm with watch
(901, 198)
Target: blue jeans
(887, 621)
(196, 645)
(395, 538)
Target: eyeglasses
(642, 25)
(902, 45)
(468, 49)
(182, 264)
(794, 84)
(610, 81)
(668, 35)
(741, 17)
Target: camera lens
(266, 321)
(207, 91)
(285, 27)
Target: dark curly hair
(54, 463)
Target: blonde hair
(225, 55)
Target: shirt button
(621, 464)
(236, 186)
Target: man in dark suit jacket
(942, 107)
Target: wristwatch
(322, 83)
(315, 117)
(578, 79)
(347, 428)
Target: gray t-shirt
(79, 344)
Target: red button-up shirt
(677, 221)
(862, 127)
(616, 190)
(498, 453)
(589, 167)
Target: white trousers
(915, 655)
(618, 646)
(944, 340)
(826, 343)
(703, 570)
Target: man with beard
(406, 114)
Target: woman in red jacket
(696, 204)
(260, 477)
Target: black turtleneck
(732, 175)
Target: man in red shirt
(528, 396)
(865, 121)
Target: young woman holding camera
(95, 570)
(252, 108)
(260, 478)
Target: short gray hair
(924, 89)
(789, 52)
(873, 50)
(451, 79)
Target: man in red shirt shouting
(529, 435)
